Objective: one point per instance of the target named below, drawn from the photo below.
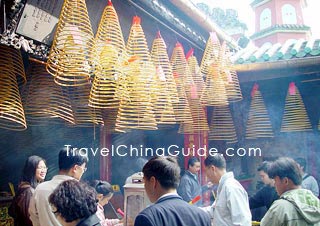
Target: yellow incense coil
(73, 57)
(12, 115)
(295, 117)
(44, 100)
(258, 124)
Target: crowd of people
(289, 194)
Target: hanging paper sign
(190, 53)
(194, 91)
(292, 88)
(161, 74)
(254, 89)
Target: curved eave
(291, 63)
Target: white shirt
(39, 208)
(231, 206)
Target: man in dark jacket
(161, 178)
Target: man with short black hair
(161, 178)
(231, 206)
(189, 186)
(296, 206)
(308, 181)
(72, 165)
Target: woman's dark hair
(70, 156)
(285, 167)
(265, 166)
(74, 200)
(165, 169)
(29, 170)
(102, 187)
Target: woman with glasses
(33, 173)
(104, 192)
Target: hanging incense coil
(136, 110)
(12, 115)
(199, 119)
(211, 53)
(44, 100)
(222, 126)
(160, 59)
(229, 75)
(214, 93)
(295, 116)
(84, 115)
(258, 124)
(73, 57)
(104, 86)
(196, 73)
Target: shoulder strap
(306, 176)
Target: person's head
(161, 175)
(72, 162)
(286, 174)
(215, 167)
(34, 170)
(194, 165)
(302, 163)
(104, 191)
(72, 201)
(263, 173)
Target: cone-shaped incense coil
(84, 115)
(199, 120)
(73, 56)
(258, 124)
(136, 109)
(109, 31)
(196, 74)
(160, 59)
(222, 126)
(104, 86)
(11, 111)
(214, 93)
(43, 99)
(229, 75)
(295, 117)
(180, 66)
(211, 53)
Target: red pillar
(105, 161)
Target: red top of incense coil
(254, 89)
(292, 88)
(158, 34)
(136, 20)
(109, 3)
(189, 53)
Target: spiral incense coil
(12, 115)
(229, 75)
(161, 60)
(222, 126)
(136, 108)
(214, 92)
(84, 115)
(211, 53)
(199, 120)
(180, 66)
(196, 73)
(44, 100)
(103, 91)
(73, 57)
(295, 116)
(258, 124)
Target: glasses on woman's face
(42, 168)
